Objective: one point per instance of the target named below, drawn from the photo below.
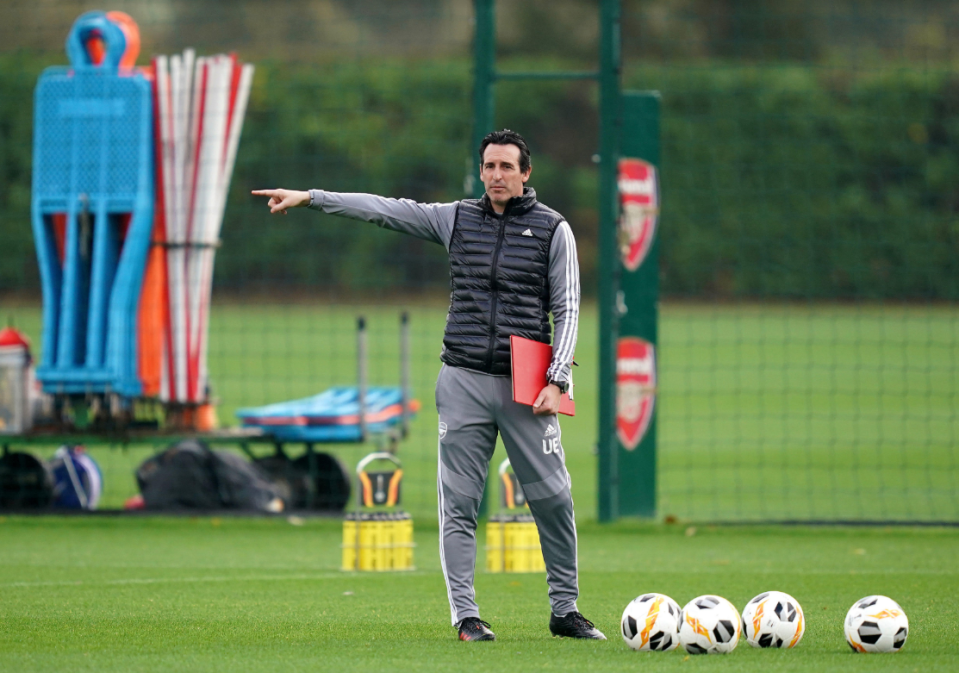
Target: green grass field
(231, 594)
(765, 412)
(774, 412)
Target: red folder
(529, 361)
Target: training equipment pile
(131, 172)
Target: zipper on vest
(494, 291)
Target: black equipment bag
(188, 475)
(25, 481)
(330, 487)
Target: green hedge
(18, 75)
(778, 181)
(396, 129)
(805, 182)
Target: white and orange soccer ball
(876, 624)
(773, 619)
(709, 625)
(651, 623)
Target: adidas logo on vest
(550, 431)
(527, 233)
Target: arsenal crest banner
(627, 459)
(639, 210)
(635, 390)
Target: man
(512, 262)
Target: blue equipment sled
(331, 416)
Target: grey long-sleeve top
(434, 222)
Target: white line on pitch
(178, 580)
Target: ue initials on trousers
(472, 408)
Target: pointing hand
(281, 199)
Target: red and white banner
(639, 210)
(635, 389)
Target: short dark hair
(507, 137)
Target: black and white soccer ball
(876, 624)
(709, 625)
(773, 619)
(651, 623)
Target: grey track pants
(472, 408)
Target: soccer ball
(876, 624)
(709, 625)
(651, 623)
(773, 619)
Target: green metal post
(484, 105)
(609, 106)
(484, 57)
(609, 75)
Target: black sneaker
(474, 628)
(574, 625)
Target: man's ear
(529, 172)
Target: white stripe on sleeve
(563, 353)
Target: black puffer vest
(499, 277)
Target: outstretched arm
(429, 221)
(282, 199)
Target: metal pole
(361, 376)
(405, 371)
(484, 50)
(609, 75)
(484, 104)
(543, 75)
(609, 105)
